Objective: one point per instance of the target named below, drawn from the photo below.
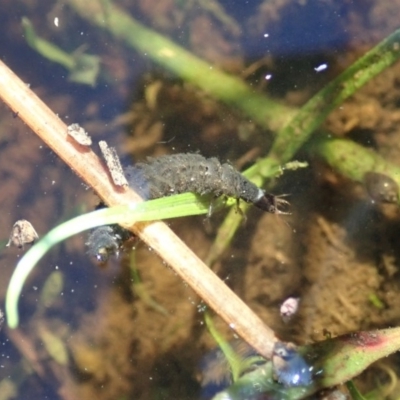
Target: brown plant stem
(26, 105)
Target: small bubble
(201, 308)
(321, 67)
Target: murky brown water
(338, 251)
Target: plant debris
(22, 233)
(79, 135)
(114, 165)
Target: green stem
(45, 48)
(352, 160)
(167, 207)
(226, 232)
(354, 392)
(235, 92)
(149, 44)
(315, 111)
(291, 137)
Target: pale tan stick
(157, 235)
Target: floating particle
(22, 233)
(289, 308)
(290, 367)
(79, 135)
(114, 166)
(381, 188)
(321, 67)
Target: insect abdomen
(181, 173)
(234, 184)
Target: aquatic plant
(360, 347)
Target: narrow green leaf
(54, 345)
(51, 289)
(45, 48)
(164, 208)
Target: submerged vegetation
(334, 354)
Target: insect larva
(181, 173)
